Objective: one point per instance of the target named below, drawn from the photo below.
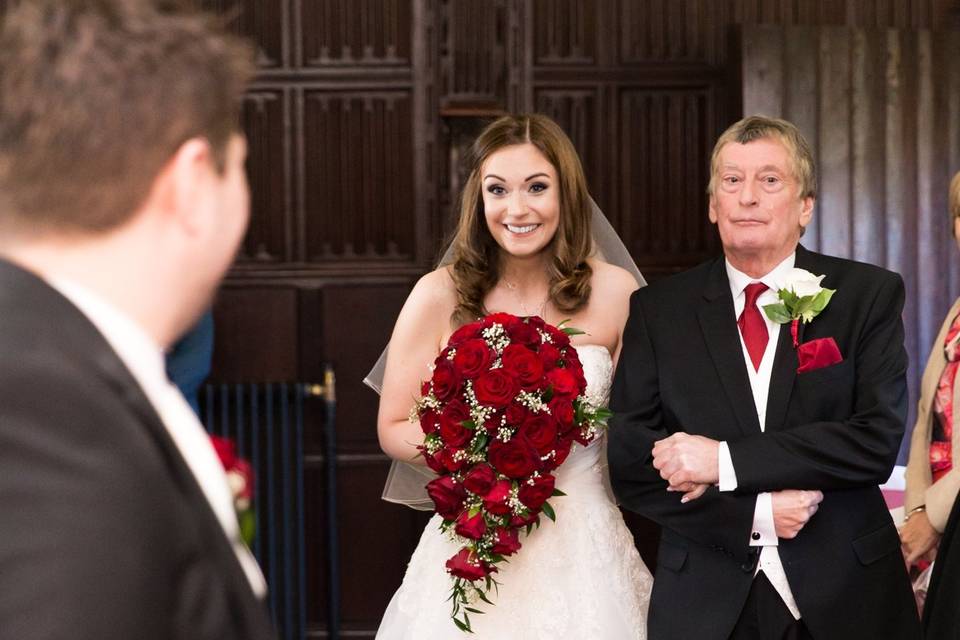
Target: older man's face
(756, 202)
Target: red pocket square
(817, 354)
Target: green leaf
(462, 626)
(557, 492)
(822, 299)
(790, 299)
(777, 312)
(248, 526)
(548, 511)
(472, 610)
(483, 596)
(570, 331)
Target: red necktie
(753, 328)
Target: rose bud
(533, 496)
(495, 501)
(532, 517)
(447, 495)
(464, 566)
(480, 479)
(472, 527)
(507, 542)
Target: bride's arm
(414, 345)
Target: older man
(123, 199)
(758, 442)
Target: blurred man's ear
(186, 174)
(712, 210)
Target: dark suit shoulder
(677, 288)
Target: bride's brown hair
(476, 267)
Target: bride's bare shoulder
(434, 293)
(609, 279)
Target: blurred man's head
(119, 125)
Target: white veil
(406, 482)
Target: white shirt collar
(739, 280)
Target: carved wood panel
(358, 176)
(355, 32)
(269, 238)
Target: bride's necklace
(537, 310)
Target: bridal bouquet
(501, 411)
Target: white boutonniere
(801, 299)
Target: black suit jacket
(836, 429)
(104, 532)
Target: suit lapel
(722, 338)
(785, 363)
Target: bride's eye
(496, 189)
(538, 187)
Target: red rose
(549, 356)
(521, 333)
(492, 423)
(495, 501)
(465, 565)
(480, 479)
(524, 365)
(563, 383)
(433, 462)
(225, 450)
(541, 430)
(571, 362)
(521, 521)
(464, 333)
(446, 380)
(473, 357)
(517, 414)
(429, 421)
(472, 527)
(558, 337)
(495, 388)
(536, 322)
(447, 458)
(424, 387)
(533, 496)
(504, 319)
(507, 542)
(562, 411)
(447, 496)
(562, 449)
(516, 458)
(452, 431)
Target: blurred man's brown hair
(96, 96)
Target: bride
(526, 244)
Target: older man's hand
(682, 459)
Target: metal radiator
(265, 421)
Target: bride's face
(521, 199)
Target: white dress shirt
(144, 359)
(763, 533)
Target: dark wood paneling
(356, 32)
(269, 238)
(565, 32)
(357, 322)
(359, 188)
(267, 24)
(256, 334)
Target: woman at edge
(932, 480)
(522, 246)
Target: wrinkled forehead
(762, 154)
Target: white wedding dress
(580, 577)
